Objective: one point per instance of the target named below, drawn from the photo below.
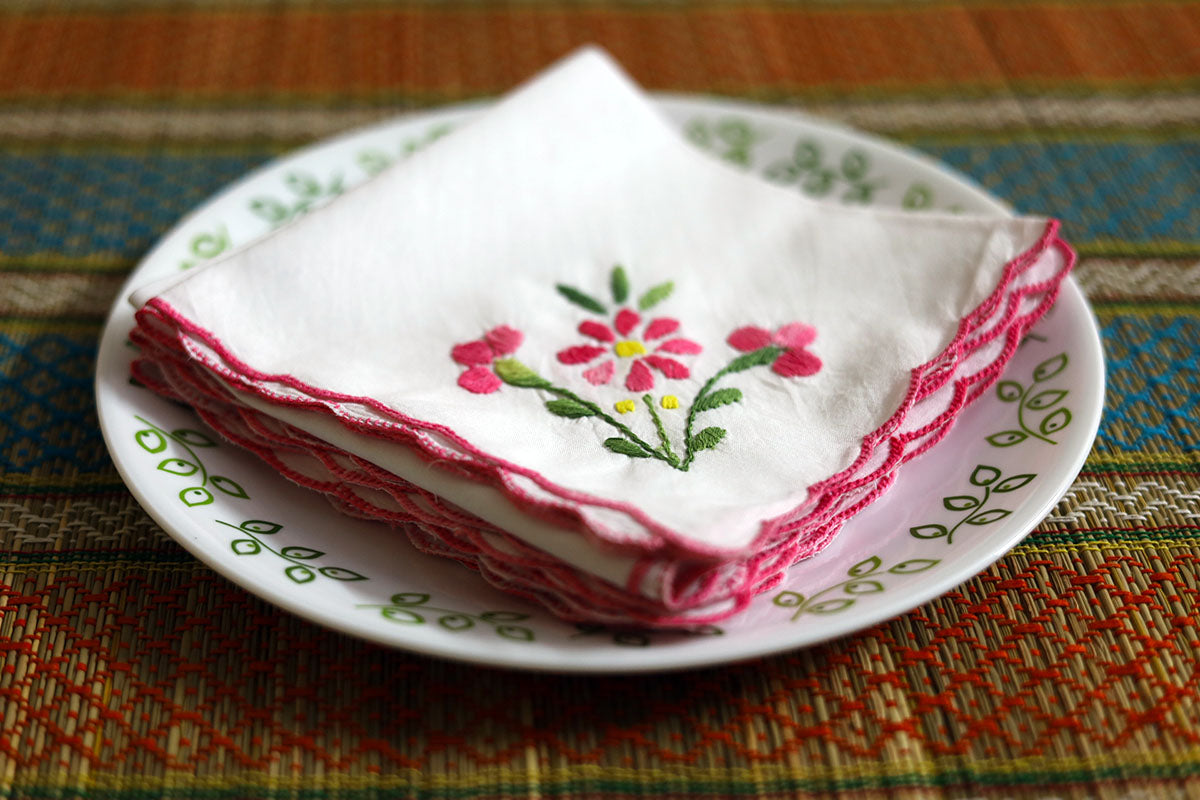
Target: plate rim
(565, 661)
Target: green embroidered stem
(672, 459)
(599, 412)
(763, 356)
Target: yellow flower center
(630, 347)
(625, 406)
(670, 401)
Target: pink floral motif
(795, 361)
(479, 354)
(620, 341)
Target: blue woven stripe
(103, 205)
(1153, 384)
(1101, 190)
(117, 205)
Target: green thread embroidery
(992, 481)
(154, 439)
(807, 168)
(374, 161)
(307, 192)
(637, 638)
(490, 364)
(861, 579)
(731, 138)
(205, 246)
(404, 607)
(300, 571)
(1029, 400)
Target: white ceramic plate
(951, 514)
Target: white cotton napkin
(638, 361)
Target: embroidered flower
(620, 341)
(670, 401)
(625, 406)
(478, 356)
(795, 361)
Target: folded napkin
(603, 369)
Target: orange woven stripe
(456, 51)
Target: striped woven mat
(128, 669)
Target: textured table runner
(129, 669)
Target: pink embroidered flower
(795, 361)
(620, 342)
(478, 356)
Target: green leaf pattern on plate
(865, 577)
(975, 505)
(1040, 410)
(190, 465)
(301, 568)
(412, 608)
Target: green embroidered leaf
(782, 172)
(402, 616)
(960, 502)
(209, 245)
(410, 599)
(515, 632)
(503, 616)
(515, 373)
(625, 447)
(831, 606)
(177, 466)
(569, 408)
(914, 565)
(928, 531)
(1014, 483)
(580, 299)
(245, 547)
(707, 438)
(373, 162)
(261, 526)
(193, 438)
(984, 475)
(1055, 422)
(298, 573)
(1009, 391)
(1050, 367)
(1007, 438)
(301, 553)
(655, 295)
(229, 487)
(1046, 399)
(988, 517)
(864, 587)
(620, 284)
(865, 567)
(196, 496)
(721, 397)
(456, 622)
(151, 441)
(788, 599)
(755, 358)
(341, 574)
(854, 164)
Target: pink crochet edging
(824, 513)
